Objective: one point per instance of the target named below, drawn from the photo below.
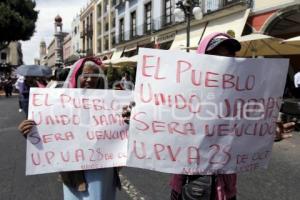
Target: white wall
(76, 44)
(264, 5)
(157, 6)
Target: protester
(126, 82)
(95, 184)
(219, 186)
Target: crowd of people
(101, 184)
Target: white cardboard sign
(203, 114)
(77, 129)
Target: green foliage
(17, 20)
(112, 75)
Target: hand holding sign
(127, 112)
(77, 129)
(26, 126)
(202, 114)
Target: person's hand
(26, 126)
(127, 112)
(284, 130)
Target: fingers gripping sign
(127, 112)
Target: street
(279, 182)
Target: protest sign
(204, 114)
(77, 129)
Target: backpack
(199, 187)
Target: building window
(168, 11)
(113, 39)
(105, 6)
(91, 20)
(99, 8)
(3, 56)
(99, 29)
(106, 26)
(133, 24)
(106, 46)
(99, 45)
(113, 22)
(148, 17)
(122, 30)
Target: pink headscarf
(71, 80)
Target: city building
(75, 28)
(87, 29)
(68, 54)
(152, 24)
(280, 19)
(43, 53)
(105, 28)
(10, 58)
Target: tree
(112, 75)
(17, 20)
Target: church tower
(59, 41)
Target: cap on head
(214, 40)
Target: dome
(58, 19)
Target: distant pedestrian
(19, 85)
(126, 81)
(8, 87)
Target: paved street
(279, 182)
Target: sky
(48, 9)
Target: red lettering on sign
(142, 148)
(145, 65)
(43, 100)
(182, 66)
(79, 155)
(49, 156)
(211, 81)
(193, 155)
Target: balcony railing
(164, 21)
(215, 5)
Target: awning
(179, 42)
(130, 48)
(123, 61)
(165, 37)
(233, 23)
(117, 54)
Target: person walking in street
(19, 85)
(97, 184)
(8, 87)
